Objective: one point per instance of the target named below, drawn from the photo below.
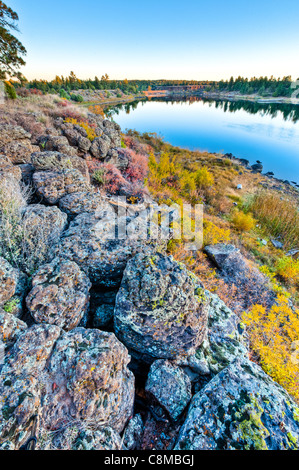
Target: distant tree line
(264, 86)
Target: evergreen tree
(11, 49)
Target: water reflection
(289, 112)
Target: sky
(170, 39)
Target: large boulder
(170, 386)
(58, 161)
(19, 152)
(56, 143)
(100, 147)
(95, 243)
(51, 186)
(79, 378)
(92, 382)
(77, 203)
(252, 286)
(241, 409)
(59, 295)
(226, 339)
(10, 133)
(160, 312)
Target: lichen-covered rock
(100, 147)
(19, 152)
(225, 342)
(160, 311)
(79, 378)
(57, 161)
(77, 437)
(92, 381)
(12, 287)
(10, 328)
(49, 222)
(241, 408)
(92, 241)
(56, 143)
(10, 133)
(252, 286)
(119, 158)
(133, 433)
(77, 203)
(20, 382)
(59, 295)
(170, 386)
(8, 170)
(53, 185)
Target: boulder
(132, 436)
(170, 386)
(8, 170)
(100, 147)
(65, 379)
(242, 408)
(58, 161)
(51, 186)
(225, 342)
(160, 310)
(59, 295)
(77, 203)
(257, 168)
(96, 244)
(10, 328)
(57, 143)
(76, 437)
(19, 152)
(252, 286)
(92, 381)
(10, 133)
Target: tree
(11, 49)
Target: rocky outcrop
(51, 186)
(160, 311)
(64, 379)
(100, 147)
(241, 409)
(56, 161)
(59, 295)
(8, 170)
(15, 143)
(56, 143)
(170, 386)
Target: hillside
(120, 338)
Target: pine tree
(11, 49)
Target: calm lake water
(269, 133)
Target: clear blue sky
(174, 39)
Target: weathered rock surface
(56, 143)
(101, 310)
(59, 295)
(8, 170)
(57, 161)
(119, 158)
(241, 408)
(132, 437)
(10, 328)
(53, 185)
(77, 203)
(79, 378)
(253, 286)
(160, 312)
(226, 339)
(91, 242)
(12, 286)
(170, 386)
(100, 147)
(93, 383)
(81, 438)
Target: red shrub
(138, 166)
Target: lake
(265, 132)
